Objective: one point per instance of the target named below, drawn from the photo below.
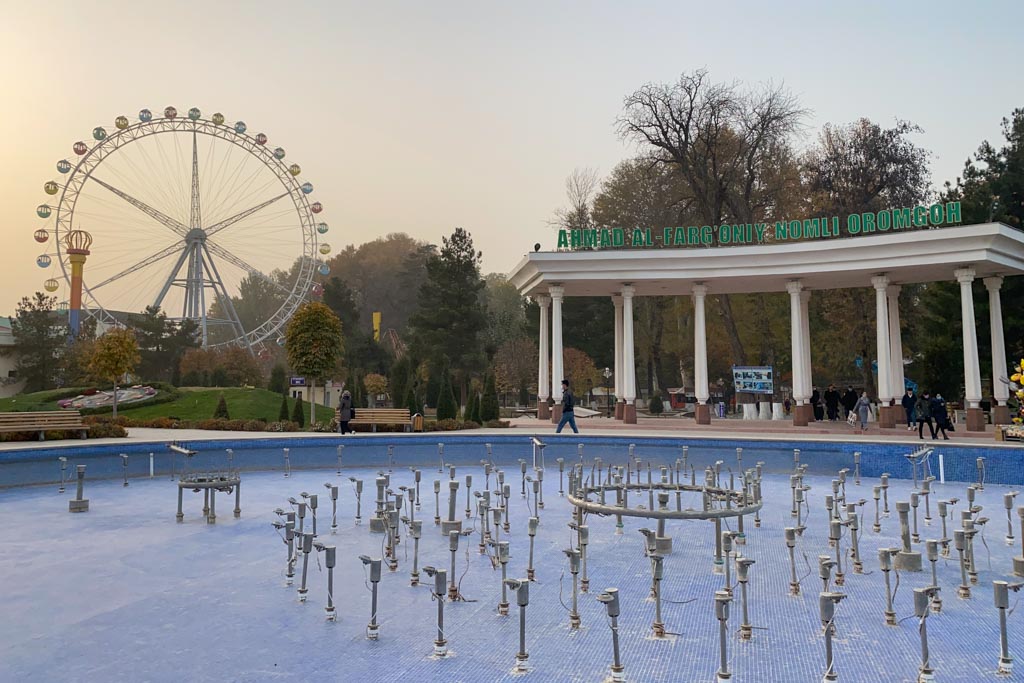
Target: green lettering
(796, 230)
(618, 237)
(666, 238)
(589, 238)
(920, 217)
(649, 237)
(869, 221)
(901, 219)
(761, 229)
(606, 239)
(637, 240)
(563, 241)
(724, 234)
(780, 231)
(936, 214)
(737, 234)
(953, 212)
(853, 224)
(706, 236)
(574, 239)
(680, 237)
(812, 228)
(883, 219)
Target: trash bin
(417, 423)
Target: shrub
(282, 415)
(497, 424)
(106, 430)
(278, 379)
(446, 408)
(298, 416)
(219, 378)
(411, 403)
(489, 402)
(655, 405)
(221, 411)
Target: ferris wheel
(191, 215)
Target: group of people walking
(930, 410)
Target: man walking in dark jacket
(832, 402)
(849, 401)
(568, 402)
(908, 406)
(923, 409)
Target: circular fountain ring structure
(734, 503)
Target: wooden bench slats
(43, 421)
(382, 416)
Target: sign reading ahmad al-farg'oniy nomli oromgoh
(888, 220)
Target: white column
(557, 374)
(617, 302)
(1000, 391)
(628, 356)
(972, 370)
(542, 372)
(883, 353)
(805, 336)
(895, 342)
(796, 340)
(700, 345)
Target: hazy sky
(422, 116)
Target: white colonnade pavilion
(884, 261)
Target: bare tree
(580, 188)
(724, 141)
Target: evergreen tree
(489, 403)
(411, 403)
(282, 415)
(655, 405)
(474, 414)
(38, 340)
(451, 313)
(446, 406)
(221, 412)
(298, 415)
(278, 379)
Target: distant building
(10, 383)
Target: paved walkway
(781, 430)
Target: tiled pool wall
(1003, 464)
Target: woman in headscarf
(345, 413)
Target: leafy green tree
(447, 409)
(298, 416)
(282, 414)
(38, 340)
(278, 379)
(314, 344)
(489, 402)
(221, 412)
(115, 355)
(505, 316)
(450, 317)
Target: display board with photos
(753, 379)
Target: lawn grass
(194, 404)
(243, 404)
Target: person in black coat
(832, 402)
(908, 406)
(849, 400)
(345, 413)
(819, 410)
(923, 410)
(941, 416)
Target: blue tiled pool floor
(123, 593)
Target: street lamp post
(607, 390)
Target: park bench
(1010, 432)
(42, 422)
(382, 416)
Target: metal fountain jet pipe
(854, 524)
(330, 560)
(799, 510)
(496, 513)
(834, 534)
(932, 551)
(63, 470)
(1008, 504)
(827, 607)
(289, 536)
(469, 495)
(506, 495)
(440, 458)
(307, 548)
(536, 496)
(619, 501)
(885, 556)
(856, 468)
(391, 459)
(531, 529)
(416, 476)
(503, 561)
(359, 498)
(561, 470)
(657, 573)
(794, 585)
(1018, 562)
(960, 542)
(451, 523)
(1001, 594)
(124, 468)
(943, 513)
(487, 475)
(722, 600)
(440, 579)
(341, 449)
(923, 596)
(574, 569)
(926, 489)
(885, 494)
(451, 472)
(727, 539)
(372, 628)
(915, 500)
(980, 462)
(610, 598)
(437, 502)
(287, 463)
(972, 491)
(333, 489)
(522, 589)
(825, 564)
(453, 547)
(80, 504)
(579, 452)
(415, 530)
(410, 493)
(522, 477)
(757, 499)
(796, 459)
(876, 493)
(743, 576)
